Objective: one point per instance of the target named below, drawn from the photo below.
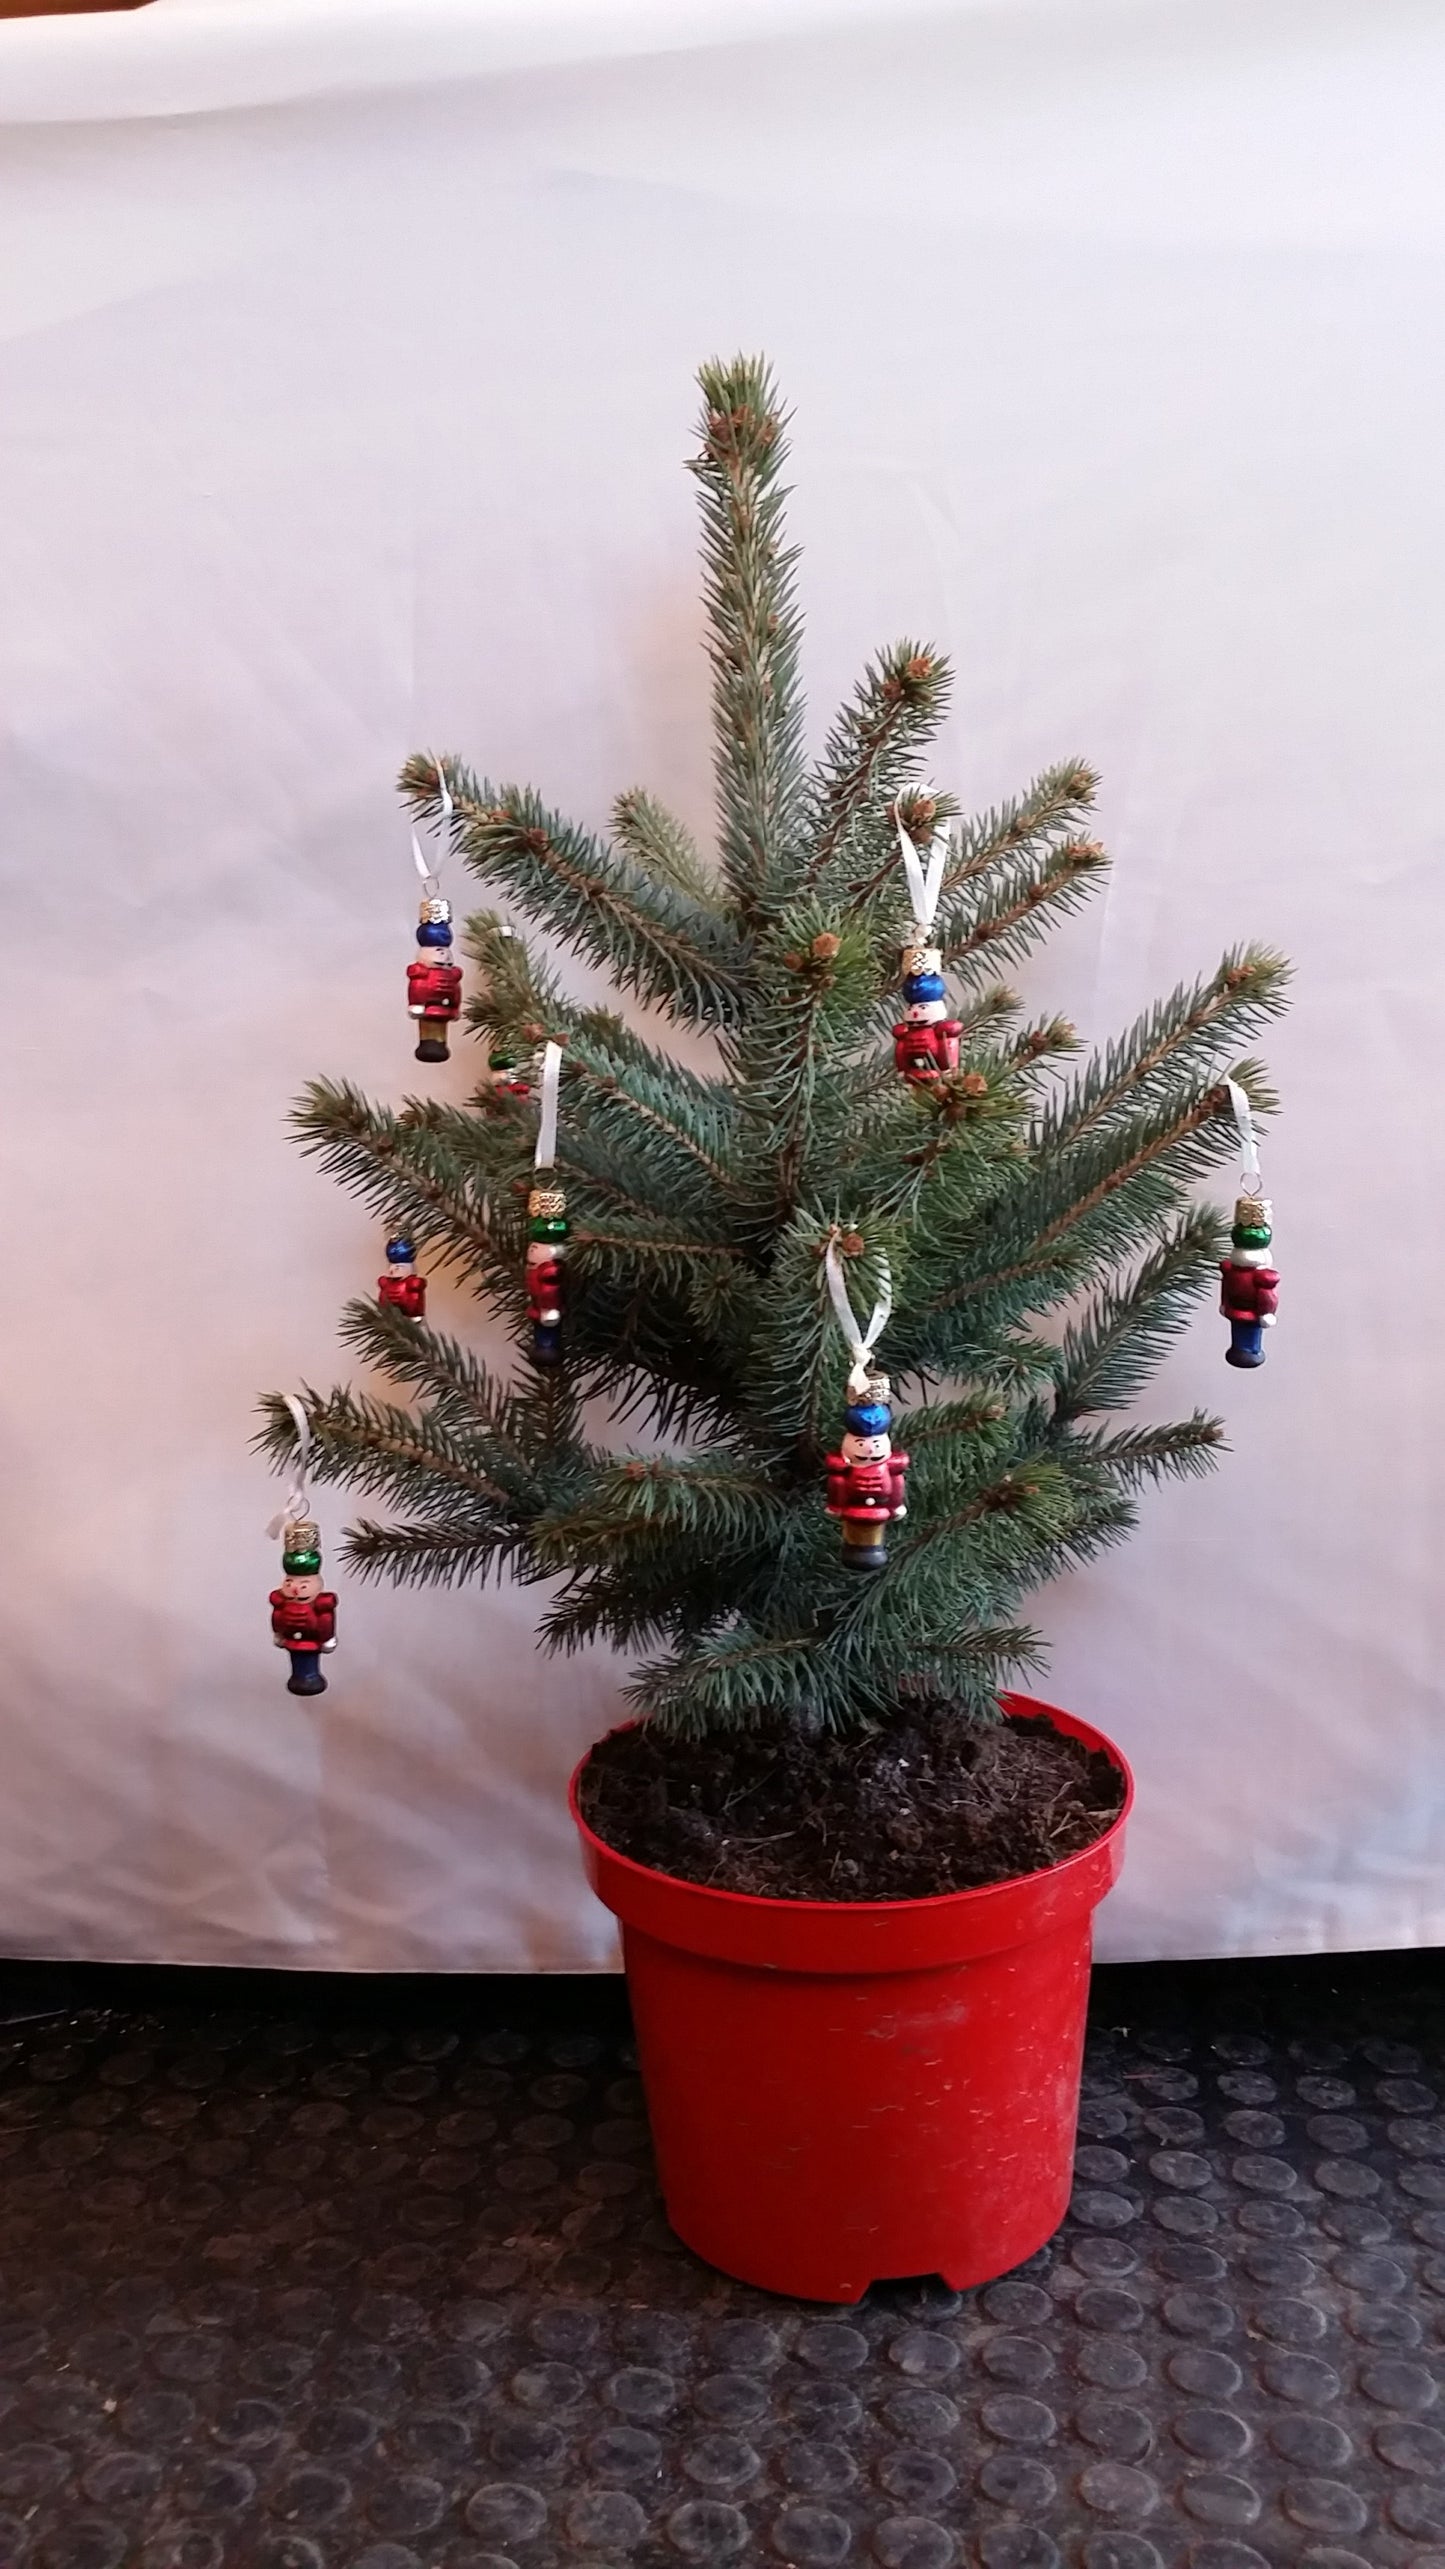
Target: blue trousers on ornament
(305, 1677)
(1246, 1343)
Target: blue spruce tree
(1015, 1190)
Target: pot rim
(1029, 1707)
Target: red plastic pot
(845, 2090)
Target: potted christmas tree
(856, 1875)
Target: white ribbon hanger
(297, 1502)
(1248, 1138)
(924, 878)
(432, 873)
(545, 1153)
(860, 1342)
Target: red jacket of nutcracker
(921, 1052)
(866, 1489)
(1250, 1293)
(434, 989)
(303, 1623)
(408, 1293)
(544, 1286)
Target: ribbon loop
(860, 1342)
(432, 873)
(1243, 1114)
(546, 1151)
(924, 880)
(297, 1502)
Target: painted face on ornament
(301, 1586)
(925, 1012)
(866, 1449)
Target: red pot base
(842, 2092)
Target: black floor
(338, 2275)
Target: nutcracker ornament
(433, 984)
(401, 1288)
(433, 981)
(546, 1225)
(507, 1073)
(303, 1610)
(1250, 1295)
(925, 1042)
(867, 1481)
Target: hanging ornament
(434, 982)
(507, 1072)
(1250, 1297)
(867, 1482)
(401, 1288)
(546, 1225)
(926, 1041)
(303, 1612)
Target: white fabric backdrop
(345, 375)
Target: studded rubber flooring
(326, 2277)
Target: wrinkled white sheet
(345, 359)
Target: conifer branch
(427, 1556)
(519, 998)
(1057, 802)
(1162, 1139)
(387, 1159)
(989, 1008)
(642, 1244)
(1134, 1454)
(415, 1353)
(1108, 1357)
(380, 1446)
(655, 940)
(1184, 1034)
(627, 1089)
(754, 627)
(668, 1501)
(726, 1682)
(514, 1445)
(944, 1421)
(664, 849)
(823, 983)
(1009, 919)
(973, 1115)
(1040, 1045)
(585, 1183)
(895, 710)
(596, 1608)
(973, 1668)
(1018, 1493)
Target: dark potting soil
(933, 1803)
